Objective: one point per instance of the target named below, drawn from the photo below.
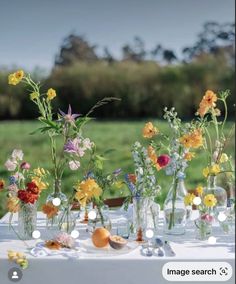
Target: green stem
(171, 222)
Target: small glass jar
(66, 220)
(203, 229)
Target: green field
(107, 135)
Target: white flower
(87, 144)
(17, 155)
(10, 165)
(74, 165)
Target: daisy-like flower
(51, 94)
(210, 200)
(188, 199)
(69, 117)
(50, 210)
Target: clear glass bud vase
(66, 220)
(140, 206)
(219, 193)
(53, 222)
(27, 220)
(175, 211)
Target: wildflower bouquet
(23, 191)
(67, 126)
(205, 204)
(216, 142)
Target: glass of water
(123, 228)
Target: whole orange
(100, 237)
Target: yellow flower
(210, 200)
(224, 158)
(19, 75)
(39, 172)
(12, 80)
(185, 140)
(12, 255)
(215, 169)
(212, 170)
(15, 78)
(188, 199)
(34, 96)
(189, 156)
(40, 184)
(51, 94)
(13, 204)
(86, 190)
(199, 190)
(149, 130)
(206, 172)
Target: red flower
(163, 160)
(32, 187)
(27, 197)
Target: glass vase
(140, 206)
(102, 219)
(153, 214)
(66, 220)
(52, 223)
(175, 211)
(203, 229)
(27, 220)
(219, 193)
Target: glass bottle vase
(102, 219)
(140, 206)
(175, 211)
(66, 220)
(27, 220)
(219, 193)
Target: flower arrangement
(67, 126)
(215, 143)
(205, 204)
(23, 191)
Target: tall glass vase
(175, 211)
(53, 223)
(219, 193)
(27, 220)
(140, 206)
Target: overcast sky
(31, 31)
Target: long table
(131, 268)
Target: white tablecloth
(132, 268)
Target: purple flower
(117, 172)
(73, 147)
(69, 117)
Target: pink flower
(207, 217)
(65, 240)
(17, 155)
(163, 160)
(25, 166)
(10, 165)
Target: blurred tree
(108, 56)
(73, 49)
(216, 39)
(134, 52)
(167, 55)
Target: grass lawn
(107, 135)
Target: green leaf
(82, 121)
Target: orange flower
(50, 210)
(153, 157)
(13, 204)
(189, 156)
(196, 138)
(149, 130)
(208, 101)
(186, 140)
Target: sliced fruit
(117, 242)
